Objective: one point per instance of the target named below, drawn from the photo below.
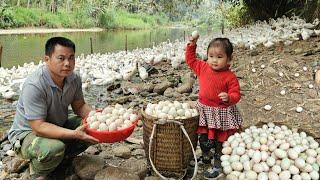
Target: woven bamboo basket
(170, 151)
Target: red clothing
(213, 82)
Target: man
(41, 130)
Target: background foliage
(134, 14)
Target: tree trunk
(43, 4)
(53, 6)
(223, 16)
(29, 2)
(68, 5)
(18, 3)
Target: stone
(168, 92)
(160, 88)
(152, 178)
(72, 177)
(270, 71)
(298, 51)
(140, 123)
(114, 173)
(290, 63)
(187, 84)
(106, 155)
(123, 99)
(254, 53)
(92, 150)
(15, 165)
(6, 147)
(312, 93)
(139, 152)
(138, 167)
(185, 88)
(87, 166)
(3, 174)
(25, 175)
(134, 140)
(122, 151)
(118, 91)
(114, 86)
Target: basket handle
(185, 133)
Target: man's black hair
(52, 42)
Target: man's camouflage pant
(46, 154)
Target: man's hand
(80, 134)
(224, 96)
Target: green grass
(109, 19)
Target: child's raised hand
(194, 37)
(224, 96)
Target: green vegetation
(141, 14)
(241, 12)
(110, 14)
(110, 19)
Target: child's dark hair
(224, 43)
(52, 42)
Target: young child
(219, 92)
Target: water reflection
(18, 49)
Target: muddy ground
(258, 88)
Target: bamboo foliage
(265, 9)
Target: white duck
(8, 94)
(128, 71)
(142, 72)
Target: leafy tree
(265, 9)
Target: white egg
(103, 127)
(188, 114)
(195, 34)
(283, 92)
(115, 111)
(185, 105)
(118, 106)
(102, 117)
(299, 163)
(253, 70)
(149, 111)
(285, 175)
(267, 107)
(121, 111)
(119, 122)
(305, 68)
(310, 86)
(126, 116)
(181, 112)
(127, 122)
(133, 117)
(94, 125)
(296, 74)
(92, 113)
(112, 126)
(263, 66)
(108, 121)
(281, 74)
(299, 109)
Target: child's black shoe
(212, 173)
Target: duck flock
(103, 69)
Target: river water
(18, 49)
